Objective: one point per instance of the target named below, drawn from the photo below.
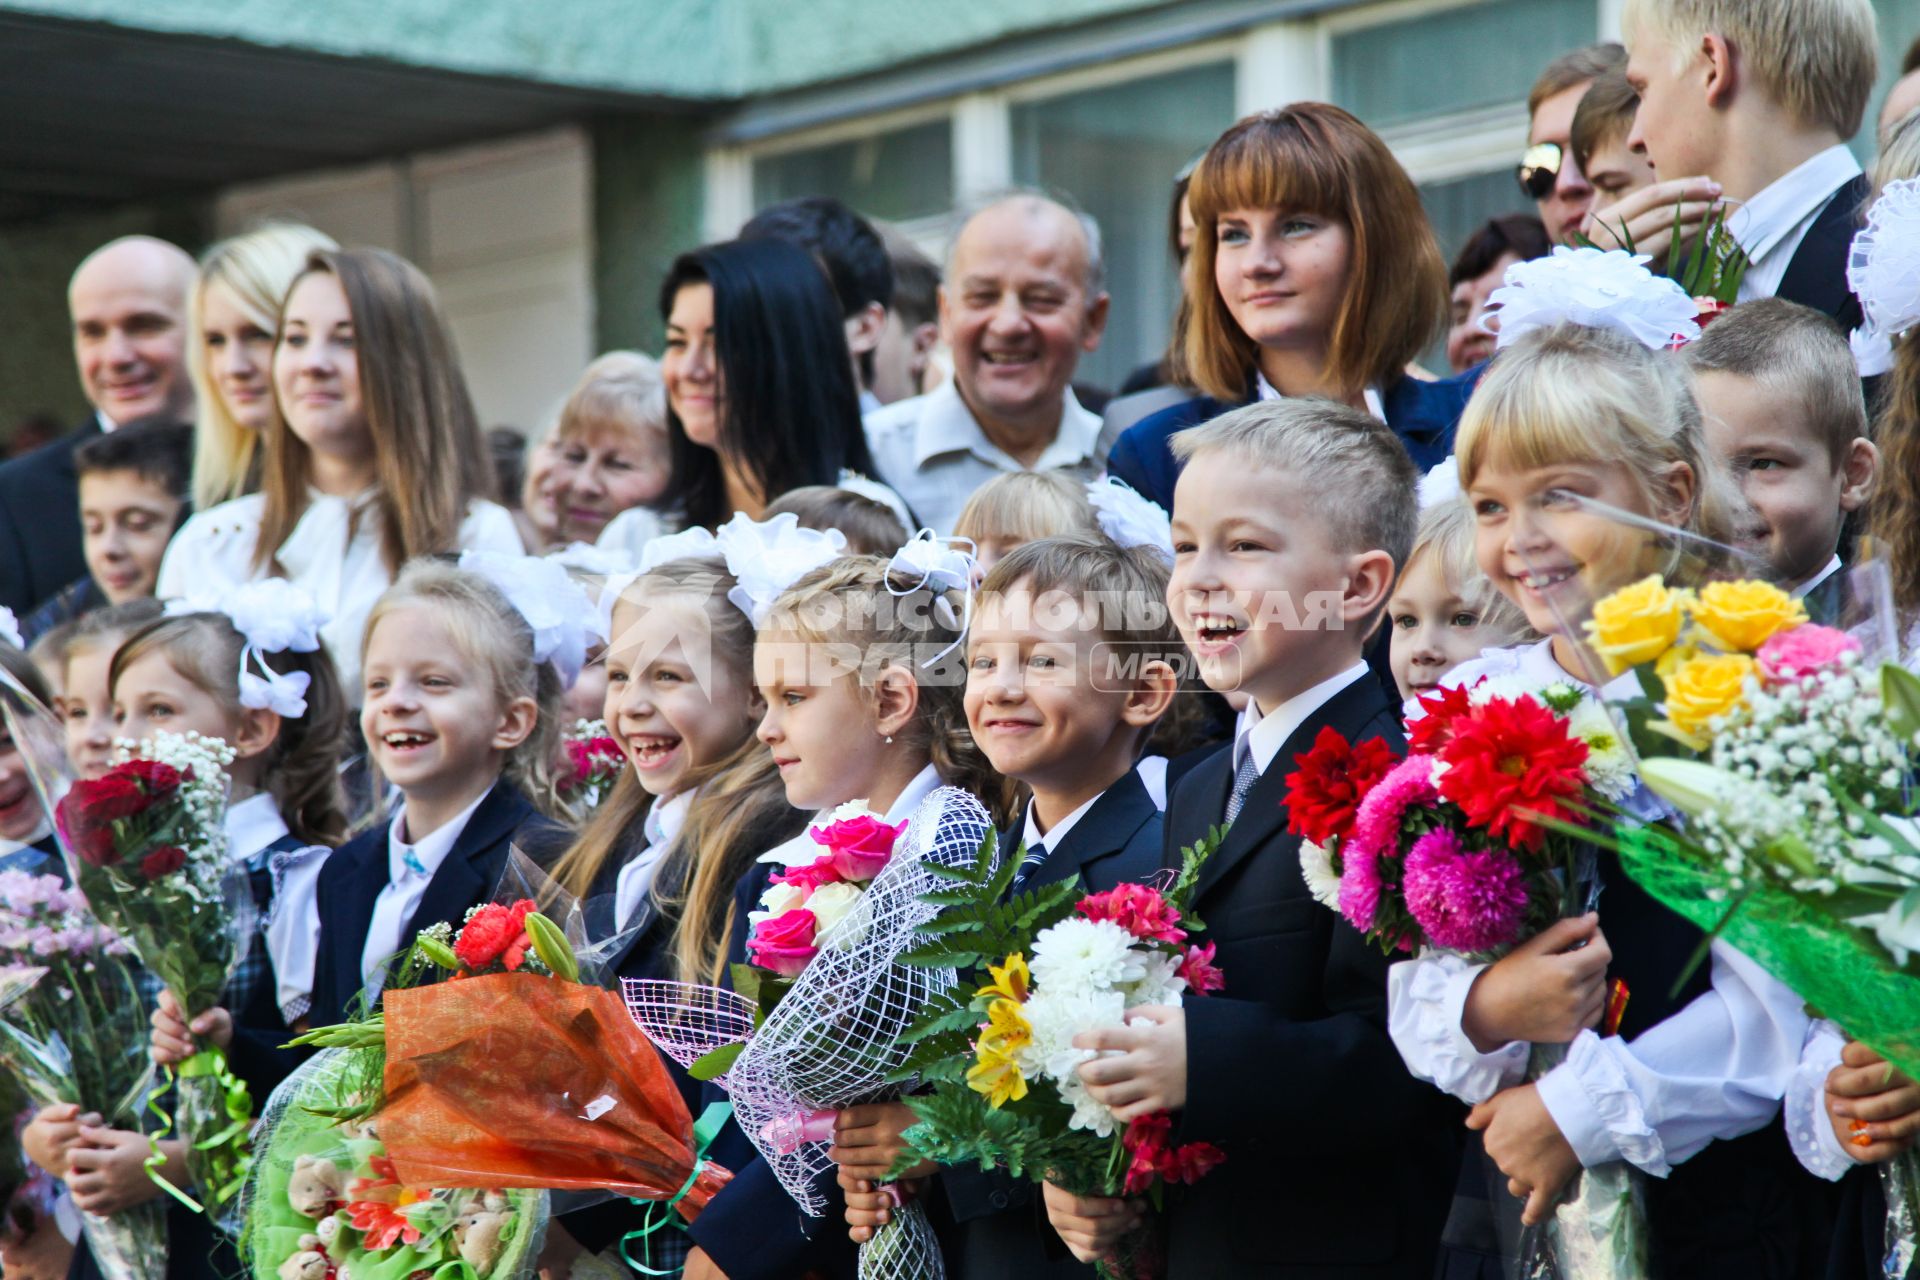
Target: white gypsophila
(830, 903)
(1160, 984)
(202, 762)
(1316, 868)
(1078, 955)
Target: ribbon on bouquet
(659, 1213)
(229, 1169)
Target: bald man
(128, 303)
(1023, 300)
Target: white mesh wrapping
(835, 1036)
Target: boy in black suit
(1290, 521)
(1070, 662)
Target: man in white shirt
(1023, 299)
(128, 301)
(1756, 99)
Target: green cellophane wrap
(1840, 971)
(290, 1129)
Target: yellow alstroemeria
(1007, 1028)
(1637, 623)
(1011, 981)
(1743, 615)
(998, 1077)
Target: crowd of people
(283, 526)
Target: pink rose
(860, 846)
(1803, 651)
(815, 874)
(784, 943)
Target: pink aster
(1360, 885)
(1470, 901)
(1377, 826)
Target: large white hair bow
(932, 562)
(1601, 288)
(273, 616)
(766, 557)
(1883, 271)
(1440, 484)
(545, 594)
(686, 544)
(1129, 518)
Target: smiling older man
(128, 301)
(1022, 301)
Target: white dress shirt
(1808, 1129)
(293, 920)
(1832, 567)
(1153, 776)
(1715, 1069)
(1264, 390)
(333, 553)
(801, 850)
(1039, 844)
(933, 451)
(1264, 735)
(1771, 226)
(410, 868)
(661, 828)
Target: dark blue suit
(1000, 1226)
(1422, 414)
(1339, 1163)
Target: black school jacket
(1339, 1163)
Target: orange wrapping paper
(490, 1081)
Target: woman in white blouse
(375, 456)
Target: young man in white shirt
(1748, 103)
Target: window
(1456, 60)
(1458, 207)
(1116, 151)
(897, 175)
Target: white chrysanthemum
(1316, 867)
(1160, 984)
(1056, 1018)
(1084, 955)
(1088, 1112)
(1609, 767)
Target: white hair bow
(1441, 484)
(1600, 288)
(545, 594)
(1129, 518)
(766, 557)
(10, 628)
(272, 616)
(1883, 271)
(686, 544)
(934, 563)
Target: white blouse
(330, 554)
(1716, 1069)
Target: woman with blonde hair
(606, 453)
(232, 322)
(1313, 273)
(375, 456)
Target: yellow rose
(1709, 685)
(998, 1078)
(1742, 615)
(1636, 624)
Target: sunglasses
(1540, 169)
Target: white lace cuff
(1426, 999)
(1591, 1099)
(1808, 1128)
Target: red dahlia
(1511, 761)
(1328, 782)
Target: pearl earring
(889, 739)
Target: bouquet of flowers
(996, 1061)
(816, 889)
(1791, 756)
(74, 1031)
(146, 844)
(833, 1039)
(594, 762)
(1470, 845)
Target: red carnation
(1511, 762)
(165, 860)
(1202, 975)
(1139, 910)
(490, 934)
(1434, 729)
(1328, 782)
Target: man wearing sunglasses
(1547, 172)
